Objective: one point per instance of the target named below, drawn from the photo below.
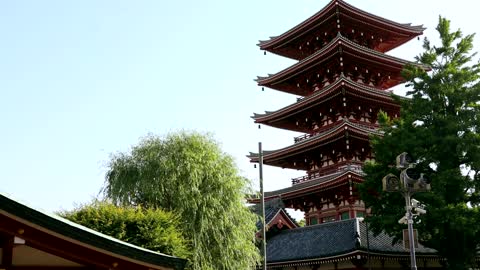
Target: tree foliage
(439, 127)
(187, 173)
(301, 222)
(152, 229)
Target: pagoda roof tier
(311, 144)
(317, 185)
(342, 56)
(338, 16)
(343, 86)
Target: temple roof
(318, 97)
(403, 32)
(36, 220)
(316, 141)
(279, 80)
(310, 242)
(328, 241)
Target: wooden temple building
(343, 78)
(33, 240)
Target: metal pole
(368, 247)
(264, 239)
(413, 261)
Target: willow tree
(439, 127)
(187, 173)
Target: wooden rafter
(7, 251)
(67, 248)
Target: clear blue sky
(82, 79)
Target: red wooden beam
(66, 248)
(7, 252)
(31, 267)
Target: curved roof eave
(313, 140)
(260, 118)
(309, 185)
(314, 19)
(75, 232)
(313, 60)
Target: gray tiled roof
(330, 239)
(311, 242)
(383, 243)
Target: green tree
(301, 222)
(439, 127)
(187, 173)
(152, 229)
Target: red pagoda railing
(321, 130)
(363, 124)
(303, 137)
(339, 167)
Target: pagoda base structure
(342, 80)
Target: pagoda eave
(335, 133)
(339, 41)
(317, 185)
(349, 88)
(334, 11)
(334, 53)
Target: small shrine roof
(329, 50)
(273, 208)
(318, 97)
(74, 233)
(332, 241)
(329, 10)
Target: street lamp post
(262, 202)
(411, 240)
(368, 247)
(410, 181)
(363, 220)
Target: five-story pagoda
(343, 79)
